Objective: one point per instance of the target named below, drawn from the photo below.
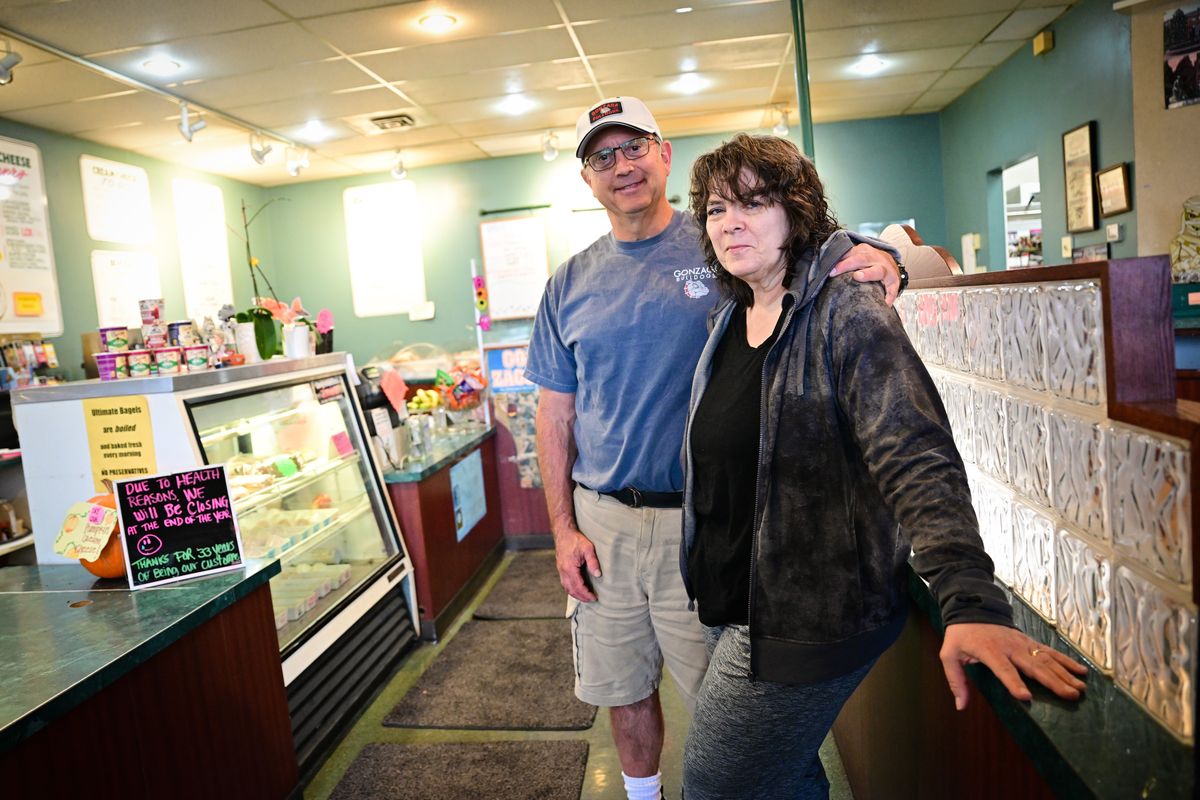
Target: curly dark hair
(779, 174)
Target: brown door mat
(528, 589)
(499, 675)
(549, 770)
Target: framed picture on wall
(1112, 187)
(1078, 173)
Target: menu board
(203, 248)
(516, 264)
(116, 201)
(383, 237)
(177, 526)
(28, 282)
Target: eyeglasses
(634, 149)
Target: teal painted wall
(879, 170)
(73, 248)
(1022, 108)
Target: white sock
(643, 788)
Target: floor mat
(528, 589)
(550, 770)
(499, 675)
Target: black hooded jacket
(857, 469)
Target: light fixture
(314, 131)
(515, 104)
(683, 10)
(689, 83)
(188, 128)
(550, 146)
(10, 60)
(161, 66)
(781, 125)
(437, 22)
(296, 161)
(260, 148)
(398, 170)
(869, 64)
(687, 65)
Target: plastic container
(421, 360)
(106, 365)
(167, 360)
(139, 362)
(122, 366)
(196, 357)
(152, 311)
(115, 339)
(181, 333)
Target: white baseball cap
(628, 112)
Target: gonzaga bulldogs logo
(695, 289)
(693, 281)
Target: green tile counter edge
(46, 676)
(1106, 745)
(445, 451)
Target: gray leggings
(755, 740)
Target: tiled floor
(603, 778)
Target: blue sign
(506, 369)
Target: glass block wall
(1086, 518)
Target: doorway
(1022, 215)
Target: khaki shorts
(640, 617)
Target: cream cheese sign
(28, 282)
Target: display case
(305, 487)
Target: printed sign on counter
(506, 369)
(120, 438)
(466, 487)
(177, 526)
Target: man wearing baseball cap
(616, 339)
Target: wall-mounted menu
(116, 201)
(28, 283)
(517, 265)
(177, 526)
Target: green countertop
(1104, 746)
(53, 657)
(446, 448)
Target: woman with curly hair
(817, 457)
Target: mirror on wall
(1022, 215)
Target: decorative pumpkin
(111, 563)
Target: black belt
(636, 498)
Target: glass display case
(302, 493)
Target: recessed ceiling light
(437, 22)
(689, 83)
(869, 64)
(160, 66)
(515, 104)
(314, 131)
(683, 9)
(687, 65)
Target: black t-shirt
(724, 443)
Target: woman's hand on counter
(1008, 653)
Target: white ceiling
(276, 64)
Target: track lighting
(7, 63)
(260, 148)
(398, 170)
(296, 161)
(187, 128)
(781, 127)
(550, 146)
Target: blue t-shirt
(622, 325)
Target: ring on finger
(1034, 652)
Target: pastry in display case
(302, 493)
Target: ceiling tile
(453, 58)
(863, 107)
(442, 154)
(960, 78)
(53, 82)
(317, 8)
(517, 143)
(299, 110)
(495, 82)
(1025, 23)
(990, 54)
(391, 142)
(664, 90)
(935, 100)
(581, 10)
(485, 108)
(899, 36)
(1042, 3)
(102, 113)
(81, 27)
(535, 121)
(30, 55)
(224, 54)
(720, 122)
(895, 85)
(822, 15)
(673, 30)
(733, 54)
(275, 84)
(395, 25)
(136, 136)
(841, 69)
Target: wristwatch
(903, 276)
